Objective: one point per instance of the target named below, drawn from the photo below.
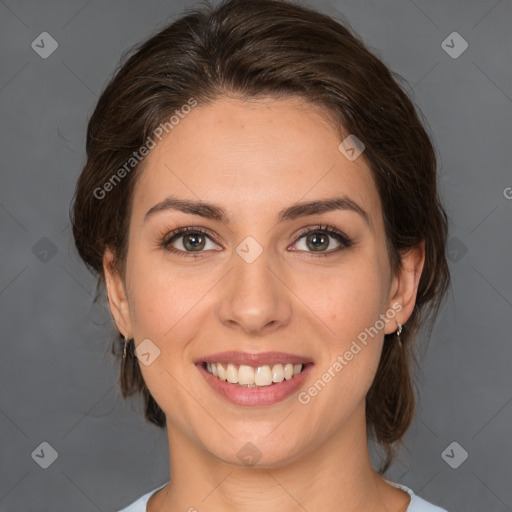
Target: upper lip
(246, 358)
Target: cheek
(166, 301)
(352, 298)
(353, 301)
(157, 298)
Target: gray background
(58, 381)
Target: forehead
(253, 157)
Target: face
(271, 285)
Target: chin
(256, 452)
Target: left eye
(317, 241)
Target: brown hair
(254, 48)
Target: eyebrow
(215, 212)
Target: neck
(334, 476)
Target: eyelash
(345, 242)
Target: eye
(192, 240)
(317, 240)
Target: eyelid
(342, 238)
(325, 228)
(180, 232)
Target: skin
(255, 158)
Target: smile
(253, 376)
(254, 379)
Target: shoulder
(139, 505)
(417, 504)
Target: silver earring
(398, 332)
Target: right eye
(193, 240)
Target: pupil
(319, 241)
(196, 243)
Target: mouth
(254, 376)
(254, 379)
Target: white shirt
(417, 504)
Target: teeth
(263, 376)
(232, 374)
(247, 376)
(221, 371)
(277, 373)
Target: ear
(404, 286)
(116, 293)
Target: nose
(254, 297)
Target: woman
(260, 201)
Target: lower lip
(257, 396)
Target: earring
(398, 332)
(124, 350)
